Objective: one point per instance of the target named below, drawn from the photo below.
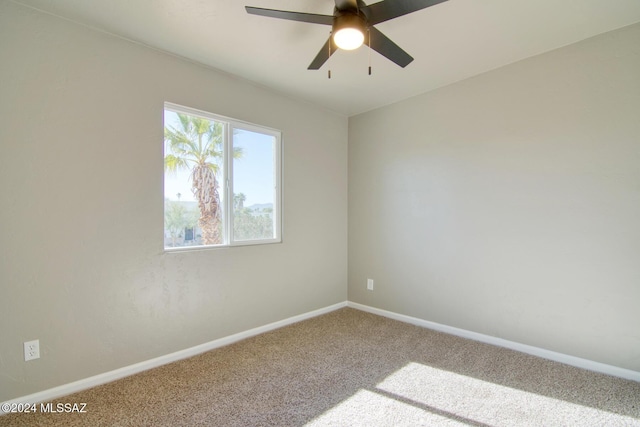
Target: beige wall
(82, 266)
(509, 204)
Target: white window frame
(226, 184)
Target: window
(221, 181)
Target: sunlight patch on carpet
(366, 408)
(419, 395)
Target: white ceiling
(450, 41)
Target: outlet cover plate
(31, 350)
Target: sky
(253, 174)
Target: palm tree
(197, 145)
(238, 201)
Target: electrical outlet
(370, 284)
(31, 350)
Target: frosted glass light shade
(348, 38)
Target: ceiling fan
(351, 21)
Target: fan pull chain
(369, 34)
(329, 70)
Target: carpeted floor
(350, 368)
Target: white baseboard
(76, 386)
(523, 348)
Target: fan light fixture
(348, 31)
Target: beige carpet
(350, 368)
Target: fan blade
(323, 55)
(385, 47)
(346, 4)
(389, 9)
(291, 16)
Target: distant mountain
(260, 206)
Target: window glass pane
(207, 160)
(193, 165)
(254, 185)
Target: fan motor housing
(350, 19)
